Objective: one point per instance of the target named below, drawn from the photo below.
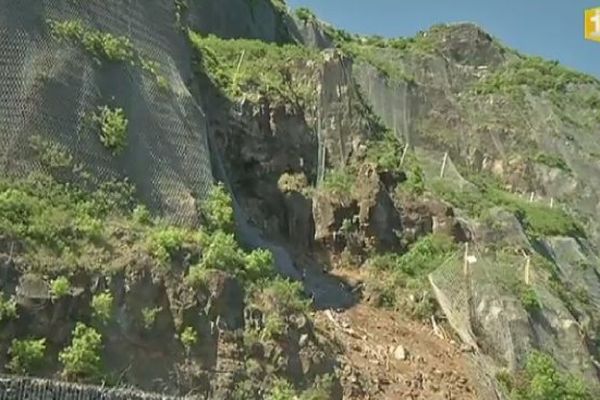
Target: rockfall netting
(12, 388)
(51, 88)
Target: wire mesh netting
(50, 88)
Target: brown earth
(433, 367)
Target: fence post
(444, 164)
(527, 267)
(404, 154)
(466, 260)
(551, 202)
(531, 197)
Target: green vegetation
(339, 182)
(389, 56)
(534, 73)
(60, 287)
(102, 306)
(188, 338)
(217, 210)
(105, 46)
(25, 355)
(279, 299)
(386, 152)
(52, 155)
(222, 252)
(552, 161)
(394, 278)
(541, 380)
(63, 229)
(320, 390)
(538, 219)
(113, 128)
(164, 242)
(8, 308)
(81, 359)
(100, 44)
(529, 299)
(242, 67)
(305, 14)
(149, 316)
(281, 390)
(388, 62)
(141, 215)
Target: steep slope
(439, 179)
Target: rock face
(377, 215)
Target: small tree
(102, 306)
(60, 287)
(188, 338)
(82, 358)
(25, 355)
(217, 209)
(8, 308)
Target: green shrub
(188, 338)
(416, 181)
(141, 215)
(259, 265)
(339, 182)
(552, 161)
(149, 316)
(25, 355)
(529, 299)
(386, 152)
(8, 308)
(285, 297)
(423, 257)
(60, 287)
(217, 210)
(163, 242)
(541, 380)
(305, 14)
(113, 128)
(222, 253)
(102, 306)
(281, 390)
(82, 358)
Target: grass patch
(537, 219)
(400, 281)
(61, 228)
(339, 182)
(552, 161)
(105, 46)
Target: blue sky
(549, 28)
